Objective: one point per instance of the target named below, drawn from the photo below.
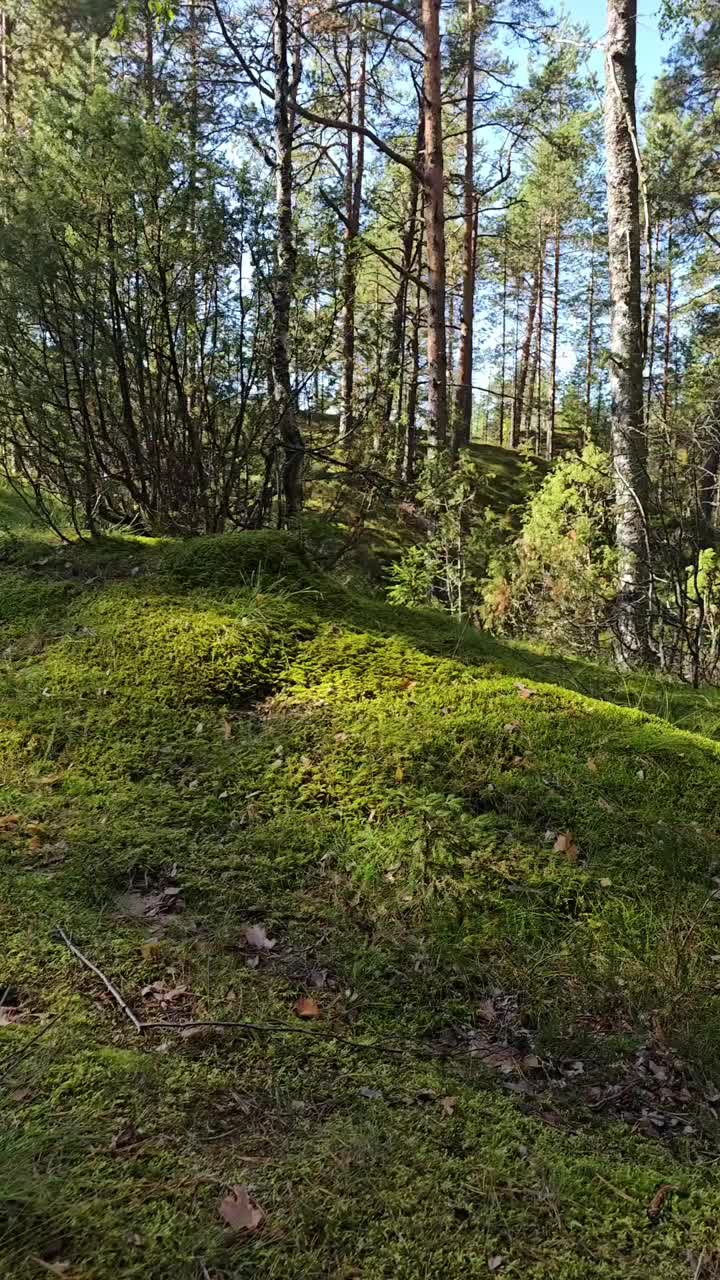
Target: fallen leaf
(495, 1263)
(9, 822)
(51, 780)
(372, 1095)
(8, 1015)
(523, 690)
(256, 937)
(605, 883)
(592, 765)
(252, 962)
(566, 845)
(514, 727)
(657, 1204)
(241, 1211)
(227, 730)
(448, 1105)
(531, 1062)
(399, 773)
(151, 951)
(306, 1007)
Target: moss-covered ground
(490, 873)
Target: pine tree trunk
(392, 401)
(503, 341)
(354, 170)
(538, 349)
(6, 79)
(629, 440)
(550, 440)
(411, 438)
(524, 364)
(590, 343)
(434, 200)
(288, 429)
(667, 346)
(463, 394)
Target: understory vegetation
(460, 895)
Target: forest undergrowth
(461, 896)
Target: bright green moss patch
(383, 791)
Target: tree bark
(550, 440)
(590, 344)
(287, 426)
(354, 171)
(434, 201)
(524, 365)
(503, 341)
(392, 401)
(463, 394)
(629, 439)
(538, 347)
(6, 79)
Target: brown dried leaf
(306, 1007)
(51, 780)
(151, 951)
(657, 1204)
(399, 773)
(241, 1211)
(9, 822)
(227, 730)
(523, 690)
(9, 1015)
(256, 937)
(566, 845)
(448, 1105)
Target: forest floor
(463, 898)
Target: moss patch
(383, 792)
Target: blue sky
(650, 48)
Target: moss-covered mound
(494, 895)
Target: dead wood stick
(105, 981)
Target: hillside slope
(466, 918)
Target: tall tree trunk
(400, 302)
(6, 80)
(590, 344)
(650, 330)
(354, 171)
(288, 429)
(667, 345)
(524, 364)
(411, 437)
(629, 439)
(550, 440)
(463, 393)
(434, 200)
(503, 339)
(538, 348)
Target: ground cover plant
(466, 916)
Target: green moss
(372, 786)
(234, 559)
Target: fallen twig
(138, 1025)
